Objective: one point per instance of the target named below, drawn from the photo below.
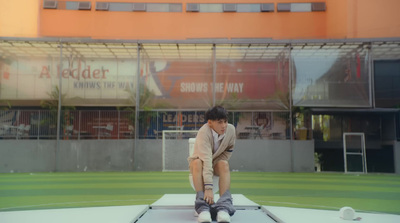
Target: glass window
(248, 8)
(72, 5)
(211, 8)
(164, 7)
(28, 70)
(387, 83)
(300, 7)
(331, 127)
(331, 77)
(99, 74)
(157, 7)
(177, 77)
(321, 127)
(121, 7)
(175, 7)
(252, 78)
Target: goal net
(175, 149)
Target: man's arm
(203, 146)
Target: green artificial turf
(31, 191)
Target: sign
(172, 83)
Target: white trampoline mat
(187, 216)
(182, 201)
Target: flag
(358, 65)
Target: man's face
(219, 126)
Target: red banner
(190, 80)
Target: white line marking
(78, 202)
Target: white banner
(96, 79)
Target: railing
(42, 124)
(115, 124)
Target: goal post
(175, 149)
(357, 153)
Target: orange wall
(19, 18)
(337, 16)
(371, 20)
(184, 25)
(343, 19)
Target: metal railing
(42, 124)
(116, 124)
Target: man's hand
(209, 196)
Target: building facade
(287, 70)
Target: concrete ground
(180, 208)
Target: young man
(212, 150)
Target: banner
(166, 84)
(192, 82)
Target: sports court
(99, 99)
(177, 208)
(167, 197)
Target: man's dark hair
(216, 113)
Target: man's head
(217, 119)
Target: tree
(52, 106)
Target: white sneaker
(204, 216)
(223, 216)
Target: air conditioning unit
(84, 5)
(318, 6)
(268, 7)
(283, 7)
(102, 6)
(49, 4)
(230, 8)
(139, 7)
(192, 7)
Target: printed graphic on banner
(173, 84)
(188, 81)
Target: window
(387, 83)
(164, 7)
(248, 8)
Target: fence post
(119, 120)
(38, 128)
(79, 125)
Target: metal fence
(42, 124)
(116, 124)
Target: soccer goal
(175, 149)
(355, 159)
